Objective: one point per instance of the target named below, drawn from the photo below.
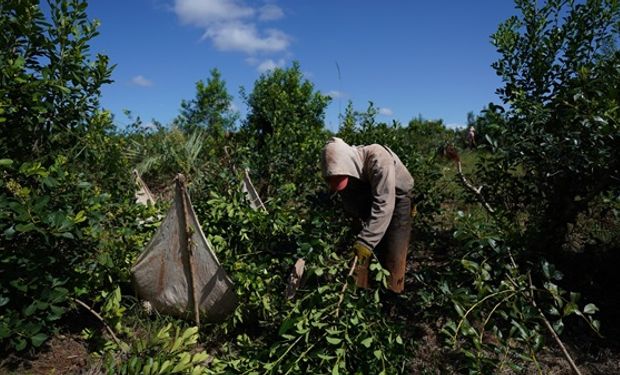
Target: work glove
(362, 251)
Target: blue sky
(411, 58)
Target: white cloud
(455, 125)
(251, 60)
(230, 24)
(269, 64)
(335, 94)
(139, 80)
(206, 12)
(270, 12)
(237, 36)
(386, 111)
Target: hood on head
(338, 158)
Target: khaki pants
(392, 250)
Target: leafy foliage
(284, 126)
(167, 152)
(161, 353)
(50, 89)
(497, 303)
(210, 109)
(74, 234)
(548, 158)
(69, 227)
(557, 152)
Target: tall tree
(285, 123)
(211, 109)
(283, 102)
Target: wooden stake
(187, 246)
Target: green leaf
(6, 162)
(10, 232)
(79, 217)
(19, 62)
(554, 311)
(64, 89)
(19, 285)
(366, 342)
(470, 266)
(20, 344)
(570, 308)
(67, 235)
(522, 330)
(164, 366)
(378, 354)
(55, 313)
(5, 331)
(538, 342)
(28, 311)
(546, 270)
(38, 339)
(590, 308)
(25, 227)
(334, 340)
(286, 325)
(200, 357)
(58, 295)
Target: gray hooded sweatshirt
(379, 177)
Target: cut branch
(551, 330)
(472, 188)
(344, 287)
(118, 342)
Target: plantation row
(513, 243)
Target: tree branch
(344, 287)
(118, 342)
(472, 188)
(551, 330)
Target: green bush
(62, 237)
(49, 89)
(556, 154)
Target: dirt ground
(68, 354)
(63, 354)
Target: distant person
(471, 137)
(375, 187)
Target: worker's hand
(362, 251)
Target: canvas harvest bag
(178, 272)
(143, 194)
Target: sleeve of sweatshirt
(381, 175)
